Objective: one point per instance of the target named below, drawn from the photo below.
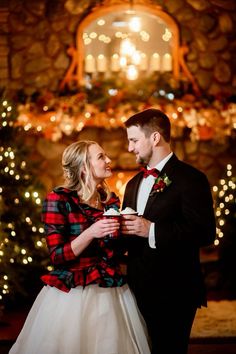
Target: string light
(17, 236)
(224, 196)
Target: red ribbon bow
(151, 172)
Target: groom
(177, 218)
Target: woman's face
(100, 163)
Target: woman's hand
(99, 229)
(103, 227)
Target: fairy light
(224, 197)
(20, 200)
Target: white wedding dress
(90, 320)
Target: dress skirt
(90, 320)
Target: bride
(85, 305)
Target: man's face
(139, 144)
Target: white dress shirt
(143, 194)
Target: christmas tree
(23, 254)
(225, 208)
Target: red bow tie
(152, 172)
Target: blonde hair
(78, 171)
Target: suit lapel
(168, 169)
(133, 191)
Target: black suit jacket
(184, 221)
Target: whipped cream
(129, 211)
(111, 212)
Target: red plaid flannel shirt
(64, 220)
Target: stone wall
(37, 34)
(210, 157)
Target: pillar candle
(155, 64)
(89, 64)
(143, 62)
(101, 63)
(115, 62)
(167, 62)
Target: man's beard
(143, 161)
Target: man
(177, 218)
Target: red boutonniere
(160, 184)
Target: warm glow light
(52, 118)
(87, 41)
(93, 35)
(123, 62)
(155, 64)
(136, 58)
(127, 48)
(167, 62)
(115, 62)
(132, 72)
(174, 115)
(87, 115)
(143, 62)
(167, 35)
(101, 63)
(38, 201)
(145, 36)
(135, 24)
(101, 22)
(89, 64)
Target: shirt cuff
(151, 236)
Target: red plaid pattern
(63, 221)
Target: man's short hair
(151, 120)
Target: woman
(85, 306)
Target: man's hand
(135, 225)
